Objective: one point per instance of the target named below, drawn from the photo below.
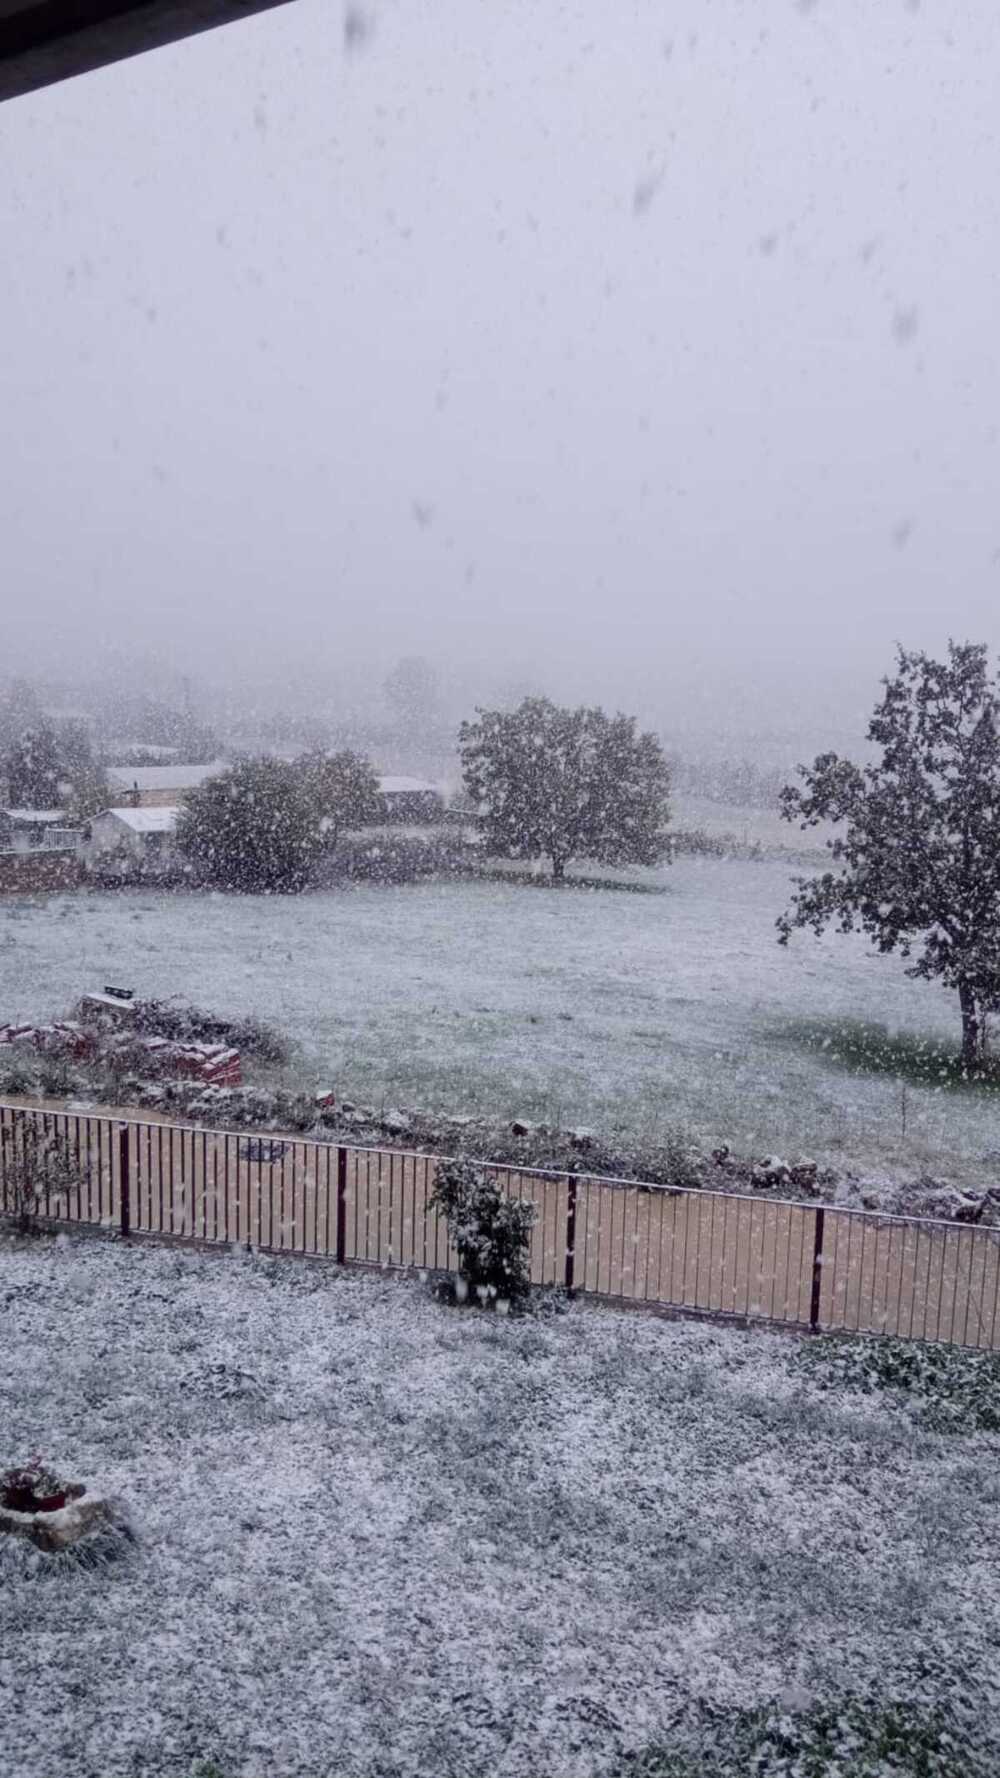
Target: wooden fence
(802, 1265)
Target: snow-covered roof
(156, 820)
(38, 816)
(162, 777)
(406, 787)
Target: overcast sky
(639, 350)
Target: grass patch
(858, 1047)
(852, 1738)
(527, 879)
(952, 1390)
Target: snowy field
(629, 1012)
(379, 1538)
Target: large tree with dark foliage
(53, 767)
(561, 784)
(918, 832)
(345, 788)
(256, 827)
(33, 769)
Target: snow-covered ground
(630, 1012)
(389, 1539)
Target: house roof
(42, 41)
(406, 787)
(39, 816)
(155, 820)
(162, 777)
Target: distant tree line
(540, 782)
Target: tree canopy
(345, 788)
(53, 767)
(556, 783)
(257, 826)
(33, 769)
(918, 831)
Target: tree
(919, 832)
(490, 1231)
(345, 788)
(84, 782)
(20, 709)
(33, 770)
(54, 768)
(255, 827)
(562, 784)
(36, 1168)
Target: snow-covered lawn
(393, 1540)
(632, 1012)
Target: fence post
(124, 1181)
(341, 1206)
(817, 1272)
(570, 1233)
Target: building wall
(148, 799)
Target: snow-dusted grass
(634, 1013)
(391, 1538)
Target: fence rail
(801, 1265)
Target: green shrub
(491, 1232)
(37, 1170)
(951, 1389)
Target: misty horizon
(649, 366)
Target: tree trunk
(971, 1026)
(558, 869)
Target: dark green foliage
(150, 723)
(344, 787)
(33, 769)
(37, 1169)
(85, 785)
(49, 766)
(918, 840)
(861, 1048)
(561, 784)
(256, 827)
(951, 1390)
(848, 1738)
(491, 1232)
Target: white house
(159, 786)
(410, 799)
(142, 836)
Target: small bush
(35, 1166)
(491, 1232)
(952, 1390)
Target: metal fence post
(341, 1206)
(124, 1181)
(570, 1233)
(817, 1272)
